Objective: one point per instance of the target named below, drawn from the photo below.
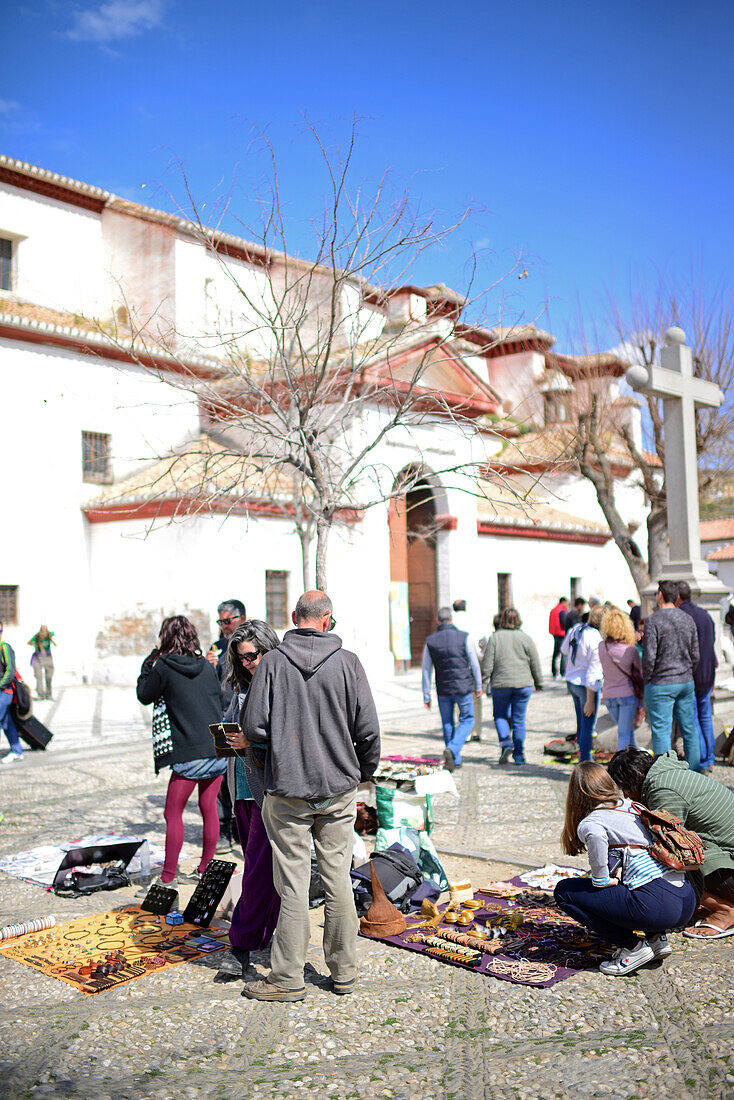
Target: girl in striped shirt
(641, 895)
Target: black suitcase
(33, 732)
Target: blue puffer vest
(448, 653)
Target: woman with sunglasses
(256, 912)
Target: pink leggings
(178, 794)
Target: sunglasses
(332, 623)
(228, 622)
(248, 658)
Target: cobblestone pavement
(413, 1028)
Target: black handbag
(78, 884)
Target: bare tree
(324, 361)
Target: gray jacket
(311, 704)
(669, 647)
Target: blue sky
(594, 138)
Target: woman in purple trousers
(256, 913)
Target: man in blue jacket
(704, 674)
(451, 654)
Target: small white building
(108, 531)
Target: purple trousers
(256, 913)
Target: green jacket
(7, 666)
(511, 661)
(702, 803)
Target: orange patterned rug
(100, 952)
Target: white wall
(55, 395)
(58, 261)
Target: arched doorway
(414, 520)
(420, 520)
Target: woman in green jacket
(510, 668)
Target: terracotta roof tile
(724, 553)
(712, 530)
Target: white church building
(103, 532)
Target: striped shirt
(603, 829)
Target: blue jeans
(584, 724)
(616, 913)
(7, 724)
(623, 711)
(705, 724)
(454, 738)
(665, 702)
(509, 706)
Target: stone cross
(681, 391)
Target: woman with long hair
(639, 895)
(256, 913)
(177, 672)
(510, 668)
(619, 657)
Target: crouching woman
(640, 896)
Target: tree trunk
(305, 537)
(323, 530)
(657, 540)
(620, 533)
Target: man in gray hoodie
(310, 704)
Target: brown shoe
(264, 990)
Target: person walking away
(703, 805)
(619, 657)
(575, 615)
(584, 675)
(463, 620)
(704, 674)
(669, 659)
(310, 704)
(641, 896)
(177, 672)
(510, 667)
(451, 653)
(42, 661)
(256, 912)
(231, 614)
(557, 631)
(7, 725)
(635, 613)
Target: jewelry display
(529, 973)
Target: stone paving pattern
(414, 1028)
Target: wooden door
(421, 568)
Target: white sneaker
(627, 960)
(661, 949)
(12, 757)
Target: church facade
(109, 447)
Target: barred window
(504, 591)
(9, 604)
(6, 264)
(276, 598)
(95, 457)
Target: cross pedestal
(675, 382)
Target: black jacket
(310, 703)
(190, 687)
(704, 673)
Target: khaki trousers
(290, 824)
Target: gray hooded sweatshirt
(311, 705)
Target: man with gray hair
(450, 652)
(310, 705)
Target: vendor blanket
(539, 945)
(40, 864)
(100, 952)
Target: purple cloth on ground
(256, 913)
